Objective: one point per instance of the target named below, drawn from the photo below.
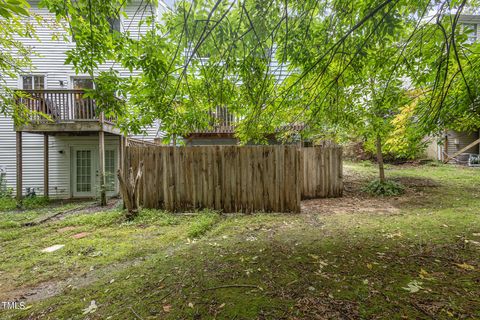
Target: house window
(31, 82)
(471, 30)
(114, 24)
(82, 83)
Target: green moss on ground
(420, 260)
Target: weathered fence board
(322, 172)
(227, 178)
(236, 179)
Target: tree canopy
(333, 66)
(14, 55)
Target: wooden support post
(121, 161)
(45, 165)
(19, 169)
(121, 153)
(101, 168)
(456, 154)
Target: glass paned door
(110, 167)
(84, 173)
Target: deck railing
(44, 106)
(221, 121)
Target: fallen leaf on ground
(80, 235)
(91, 308)
(425, 275)
(473, 242)
(167, 308)
(465, 266)
(413, 286)
(53, 248)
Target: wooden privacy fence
(227, 178)
(322, 172)
(234, 178)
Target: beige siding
(456, 141)
(434, 147)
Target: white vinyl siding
(60, 155)
(471, 29)
(50, 49)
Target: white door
(110, 171)
(84, 169)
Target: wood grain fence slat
(236, 179)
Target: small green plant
(387, 188)
(34, 202)
(157, 217)
(7, 203)
(203, 223)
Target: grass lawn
(416, 256)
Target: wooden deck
(222, 123)
(62, 111)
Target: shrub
(387, 188)
(35, 202)
(7, 203)
(10, 203)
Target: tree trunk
(129, 189)
(381, 169)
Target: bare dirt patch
(349, 205)
(53, 288)
(326, 308)
(112, 203)
(354, 200)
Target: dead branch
(129, 189)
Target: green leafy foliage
(14, 55)
(387, 188)
(348, 67)
(11, 8)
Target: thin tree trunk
(381, 169)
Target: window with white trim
(114, 23)
(471, 30)
(33, 82)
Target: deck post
(121, 158)
(19, 168)
(101, 173)
(121, 153)
(45, 165)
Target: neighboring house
(454, 146)
(62, 159)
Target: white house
(63, 159)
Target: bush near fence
(235, 178)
